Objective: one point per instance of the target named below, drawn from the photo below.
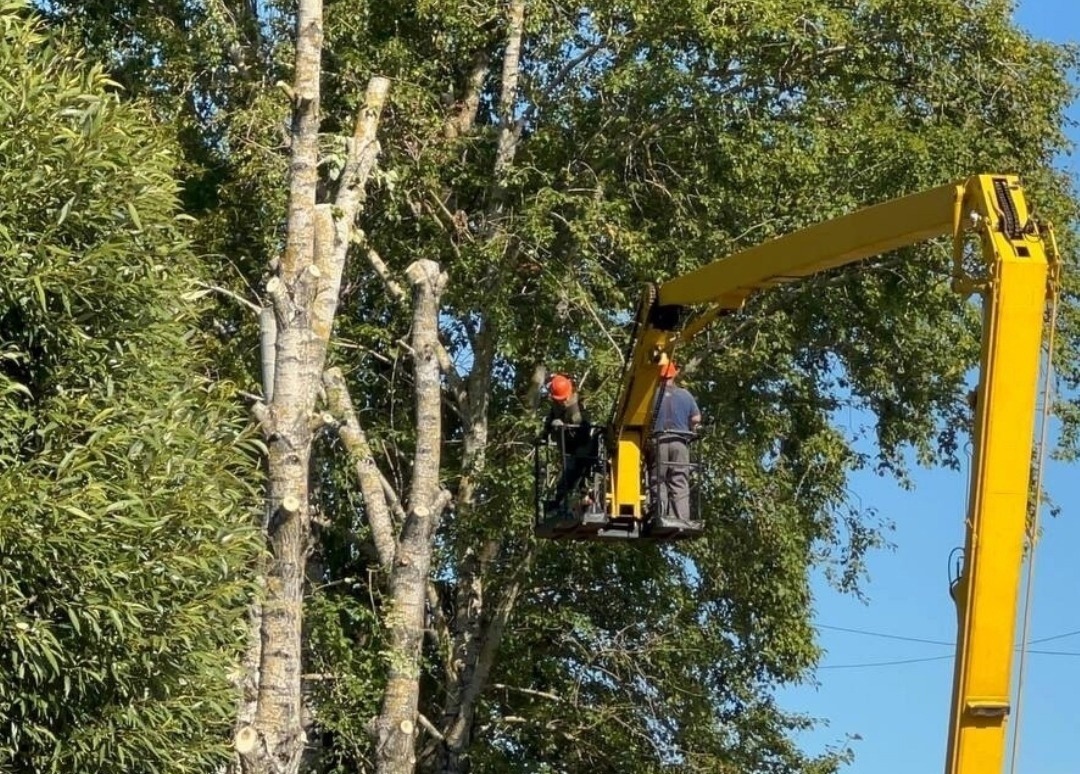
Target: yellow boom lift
(1015, 282)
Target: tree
(549, 161)
(125, 538)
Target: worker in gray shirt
(677, 418)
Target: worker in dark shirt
(677, 419)
(566, 407)
(567, 424)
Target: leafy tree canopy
(124, 468)
(648, 138)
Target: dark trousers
(672, 473)
(577, 463)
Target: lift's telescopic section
(1014, 282)
(664, 314)
(1014, 287)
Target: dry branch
(371, 480)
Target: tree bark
(355, 441)
(273, 743)
(395, 729)
(304, 295)
(477, 631)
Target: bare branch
(463, 121)
(335, 225)
(442, 502)
(383, 271)
(363, 150)
(264, 417)
(392, 499)
(304, 156)
(453, 378)
(429, 727)
(394, 729)
(371, 480)
(441, 631)
(428, 283)
(283, 305)
(230, 294)
(268, 349)
(585, 303)
(563, 74)
(527, 691)
(509, 129)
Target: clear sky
(899, 711)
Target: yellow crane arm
(1014, 286)
(1019, 279)
(726, 283)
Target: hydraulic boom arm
(1014, 286)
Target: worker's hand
(557, 423)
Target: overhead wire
(924, 640)
(901, 661)
(886, 663)
(927, 641)
(883, 635)
(1061, 636)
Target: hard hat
(561, 388)
(669, 370)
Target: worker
(567, 424)
(677, 420)
(566, 406)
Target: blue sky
(900, 711)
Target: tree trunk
(303, 294)
(477, 630)
(273, 742)
(395, 728)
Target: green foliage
(125, 475)
(684, 133)
(654, 137)
(345, 681)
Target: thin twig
(234, 296)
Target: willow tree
(549, 161)
(125, 538)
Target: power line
(1056, 637)
(1055, 652)
(885, 663)
(898, 662)
(887, 636)
(883, 635)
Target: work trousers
(673, 479)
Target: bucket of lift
(572, 474)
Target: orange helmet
(560, 388)
(669, 370)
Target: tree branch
(465, 118)
(304, 158)
(527, 691)
(429, 726)
(363, 150)
(458, 390)
(396, 291)
(394, 730)
(229, 294)
(334, 231)
(428, 282)
(371, 479)
(509, 128)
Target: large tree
(549, 160)
(125, 526)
